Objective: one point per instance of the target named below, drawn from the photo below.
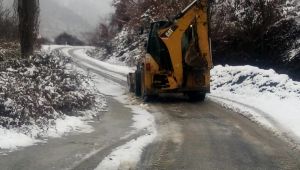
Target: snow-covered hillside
(126, 49)
(264, 96)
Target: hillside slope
(56, 19)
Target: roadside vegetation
(261, 33)
(37, 88)
(41, 89)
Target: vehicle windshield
(157, 48)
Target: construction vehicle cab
(178, 56)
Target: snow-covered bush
(252, 81)
(9, 50)
(261, 33)
(127, 49)
(239, 27)
(40, 89)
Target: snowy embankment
(268, 98)
(34, 96)
(127, 155)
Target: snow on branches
(37, 90)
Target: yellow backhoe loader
(178, 58)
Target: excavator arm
(195, 15)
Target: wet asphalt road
(192, 136)
(207, 136)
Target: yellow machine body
(178, 58)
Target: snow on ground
(127, 155)
(12, 139)
(70, 124)
(49, 48)
(117, 71)
(264, 96)
(111, 67)
(55, 47)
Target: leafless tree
(28, 13)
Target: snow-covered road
(186, 130)
(111, 81)
(171, 133)
(267, 98)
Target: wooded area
(256, 32)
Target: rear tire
(196, 96)
(138, 83)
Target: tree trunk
(28, 11)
